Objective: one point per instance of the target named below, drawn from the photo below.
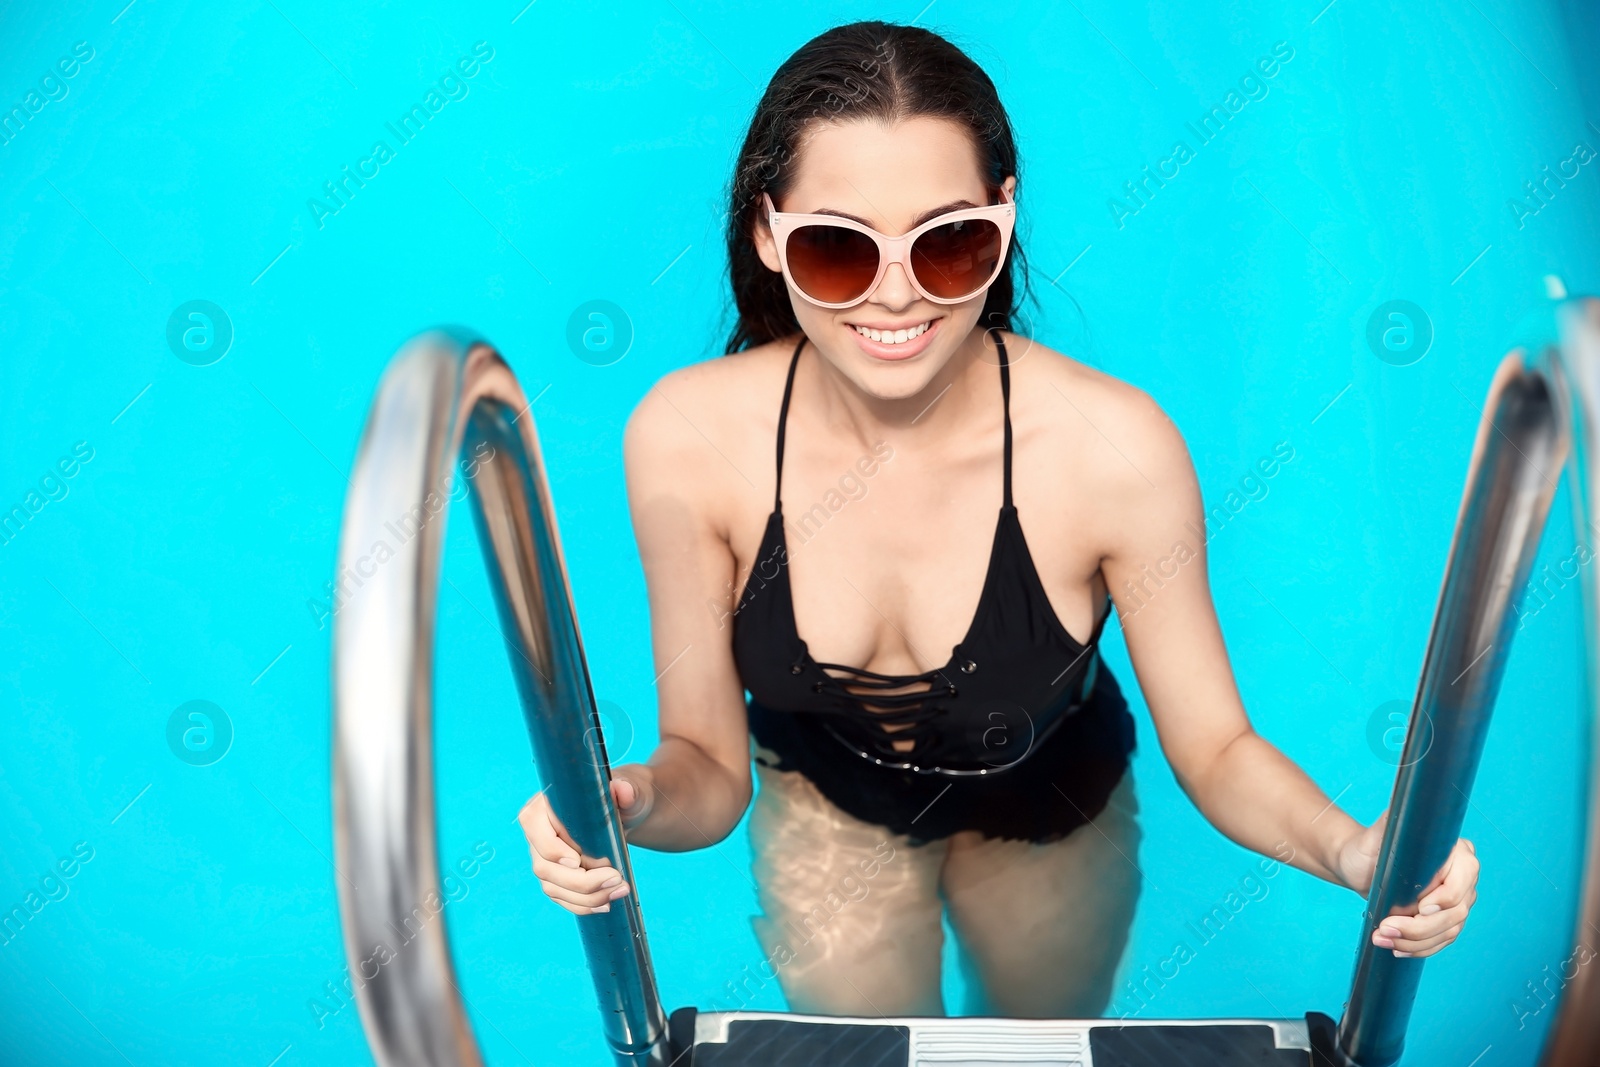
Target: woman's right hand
(582, 884)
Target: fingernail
(1429, 909)
(603, 907)
(1388, 931)
(1383, 942)
(610, 882)
(568, 861)
(618, 893)
(1403, 955)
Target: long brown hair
(863, 70)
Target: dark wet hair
(863, 70)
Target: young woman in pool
(931, 723)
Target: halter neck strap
(1005, 399)
(783, 420)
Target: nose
(895, 291)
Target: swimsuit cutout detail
(1022, 717)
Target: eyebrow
(932, 213)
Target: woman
(814, 513)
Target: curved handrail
(1574, 1038)
(1541, 404)
(1503, 511)
(447, 395)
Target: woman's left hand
(1441, 910)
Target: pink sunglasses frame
(891, 249)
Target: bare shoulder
(1117, 428)
(693, 431)
(705, 404)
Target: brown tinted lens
(831, 263)
(955, 260)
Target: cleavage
(885, 625)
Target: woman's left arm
(1155, 569)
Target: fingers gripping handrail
(1542, 401)
(446, 395)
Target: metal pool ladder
(447, 396)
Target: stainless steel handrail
(1537, 393)
(444, 396)
(1574, 1037)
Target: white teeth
(894, 337)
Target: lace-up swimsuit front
(1023, 734)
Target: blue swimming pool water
(183, 558)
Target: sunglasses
(835, 262)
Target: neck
(958, 397)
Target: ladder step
(775, 1039)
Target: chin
(899, 380)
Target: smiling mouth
(893, 337)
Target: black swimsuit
(1023, 734)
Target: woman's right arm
(695, 786)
